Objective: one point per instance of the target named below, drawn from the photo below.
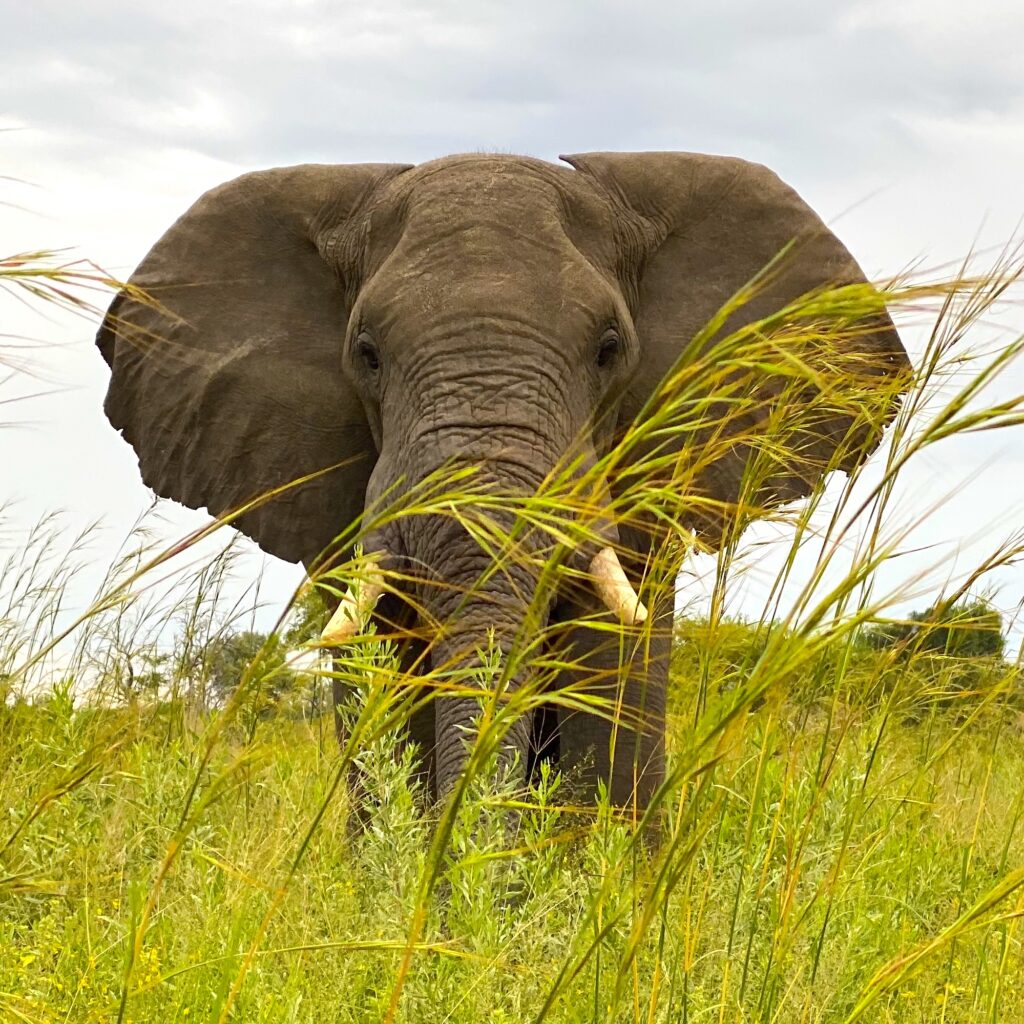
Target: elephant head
(367, 325)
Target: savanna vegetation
(838, 838)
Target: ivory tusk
(356, 606)
(614, 588)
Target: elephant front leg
(622, 743)
(418, 728)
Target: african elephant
(372, 323)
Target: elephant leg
(419, 728)
(623, 745)
(342, 694)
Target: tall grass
(838, 837)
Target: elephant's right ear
(226, 374)
(814, 390)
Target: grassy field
(820, 860)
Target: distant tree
(309, 614)
(257, 657)
(128, 673)
(971, 629)
(151, 675)
(307, 618)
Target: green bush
(962, 630)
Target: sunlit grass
(824, 853)
(48, 278)
(837, 837)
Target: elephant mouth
(608, 578)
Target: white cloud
(903, 123)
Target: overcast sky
(901, 123)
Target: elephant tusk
(356, 606)
(614, 588)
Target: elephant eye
(608, 348)
(366, 350)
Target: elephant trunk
(482, 613)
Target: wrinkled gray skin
(497, 311)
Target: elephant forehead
(493, 236)
(461, 224)
(490, 203)
(481, 179)
(544, 299)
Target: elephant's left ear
(706, 227)
(225, 355)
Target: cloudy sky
(902, 123)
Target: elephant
(359, 327)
